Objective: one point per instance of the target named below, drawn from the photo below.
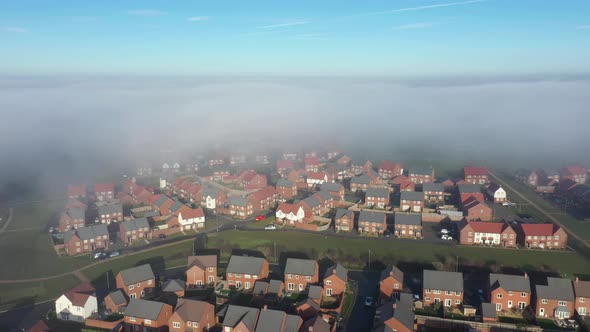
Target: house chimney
(577, 280)
(310, 329)
(526, 275)
(394, 305)
(334, 271)
(265, 307)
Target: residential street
(362, 316)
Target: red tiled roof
(539, 229)
(407, 184)
(287, 208)
(467, 197)
(104, 187)
(188, 213)
(390, 166)
(316, 175)
(229, 177)
(575, 170)
(399, 179)
(247, 176)
(472, 202)
(475, 170)
(264, 193)
(487, 227)
(194, 189)
(155, 198)
(285, 164)
(312, 161)
(80, 294)
(40, 326)
(76, 190)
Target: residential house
(201, 270)
(316, 324)
(213, 198)
(443, 287)
(360, 182)
(250, 180)
(86, 239)
(192, 316)
(75, 203)
(297, 176)
(411, 201)
(582, 293)
(312, 204)
(240, 319)
(290, 156)
(543, 236)
(104, 191)
(171, 166)
(476, 175)
(136, 282)
(76, 191)
(144, 315)
(144, 171)
(243, 271)
(335, 280)
(216, 160)
(290, 213)
(343, 159)
(434, 191)
(372, 222)
(174, 286)
(556, 299)
(307, 309)
(271, 291)
(326, 198)
(77, 304)
(476, 210)
(448, 183)
(315, 293)
(487, 233)
(391, 283)
(163, 203)
(299, 273)
(407, 186)
(237, 159)
(262, 159)
(397, 315)
(336, 189)
(115, 301)
(344, 220)
(361, 167)
(277, 321)
(315, 179)
(110, 212)
(488, 312)
(188, 218)
(218, 172)
(339, 171)
(377, 197)
(283, 165)
(286, 189)
(389, 170)
(241, 207)
(575, 173)
(421, 174)
(553, 174)
(195, 193)
(408, 225)
(509, 291)
(264, 199)
(496, 193)
(530, 177)
(467, 191)
(74, 217)
(312, 164)
(134, 229)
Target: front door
(542, 312)
(509, 304)
(498, 306)
(329, 291)
(448, 302)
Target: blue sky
(384, 38)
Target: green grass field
(22, 294)
(36, 215)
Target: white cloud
(146, 12)
(420, 25)
(199, 18)
(583, 27)
(282, 25)
(417, 8)
(14, 29)
(309, 36)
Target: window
(457, 301)
(132, 319)
(297, 277)
(195, 324)
(562, 303)
(289, 276)
(238, 284)
(396, 286)
(255, 276)
(499, 295)
(448, 293)
(582, 300)
(427, 291)
(308, 278)
(131, 286)
(188, 323)
(247, 276)
(210, 269)
(436, 291)
(544, 301)
(427, 299)
(458, 293)
(290, 286)
(230, 274)
(138, 284)
(149, 282)
(523, 294)
(510, 293)
(247, 285)
(556, 237)
(176, 325)
(147, 321)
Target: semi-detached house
(509, 291)
(299, 273)
(243, 271)
(137, 281)
(443, 287)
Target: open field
(22, 294)
(36, 215)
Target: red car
(260, 218)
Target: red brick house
(286, 189)
(442, 287)
(137, 281)
(377, 197)
(264, 198)
(487, 233)
(104, 191)
(476, 210)
(467, 191)
(434, 191)
(407, 186)
(240, 319)
(408, 225)
(144, 315)
(283, 165)
(76, 191)
(109, 212)
(116, 301)
(582, 293)
(75, 203)
(134, 229)
(192, 316)
(344, 220)
(86, 239)
(299, 273)
(389, 170)
(312, 164)
(575, 173)
(201, 270)
(336, 189)
(530, 177)
(372, 222)
(544, 236)
(195, 193)
(448, 183)
(162, 204)
(243, 271)
(391, 283)
(360, 167)
(556, 299)
(72, 218)
(251, 180)
(421, 174)
(412, 201)
(343, 160)
(361, 182)
(476, 175)
(335, 280)
(241, 207)
(397, 315)
(509, 291)
(219, 172)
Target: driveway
(361, 318)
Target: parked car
(446, 237)
(260, 218)
(444, 231)
(508, 204)
(162, 236)
(100, 255)
(368, 301)
(114, 254)
(270, 227)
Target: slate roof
(421, 170)
(414, 219)
(469, 188)
(582, 288)
(137, 274)
(412, 196)
(192, 310)
(210, 191)
(176, 206)
(274, 286)
(314, 292)
(110, 208)
(270, 321)
(285, 183)
(556, 289)
(135, 224)
(342, 212)
(118, 297)
(394, 272)
(144, 309)
(77, 213)
(202, 261)
(236, 314)
(443, 280)
(404, 313)
(245, 264)
(292, 323)
(488, 310)
(306, 267)
(436, 187)
(324, 194)
(377, 192)
(510, 282)
(312, 201)
(173, 285)
(361, 179)
(91, 232)
(339, 270)
(369, 216)
(260, 287)
(238, 201)
(331, 186)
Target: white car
(270, 227)
(444, 231)
(444, 237)
(508, 204)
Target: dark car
(162, 236)
(118, 327)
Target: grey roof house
(443, 280)
(297, 266)
(245, 264)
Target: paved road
(361, 318)
(542, 211)
(8, 220)
(24, 317)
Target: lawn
(354, 252)
(36, 215)
(263, 223)
(12, 295)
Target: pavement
(361, 317)
(8, 220)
